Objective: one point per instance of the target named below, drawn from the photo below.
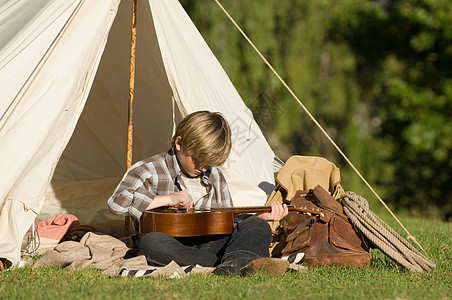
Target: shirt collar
(207, 173)
(172, 164)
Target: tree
(404, 54)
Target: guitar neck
(256, 209)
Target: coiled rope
(382, 236)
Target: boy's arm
(133, 195)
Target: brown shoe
(266, 265)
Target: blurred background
(377, 75)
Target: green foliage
(404, 54)
(383, 280)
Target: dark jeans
(250, 237)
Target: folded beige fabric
(104, 252)
(63, 255)
(94, 250)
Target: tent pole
(131, 91)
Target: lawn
(383, 280)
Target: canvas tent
(64, 67)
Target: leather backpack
(328, 239)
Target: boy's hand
(278, 211)
(178, 199)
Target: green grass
(383, 280)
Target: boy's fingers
(278, 211)
(286, 209)
(186, 201)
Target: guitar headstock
(316, 211)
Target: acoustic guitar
(180, 222)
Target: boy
(186, 177)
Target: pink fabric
(52, 230)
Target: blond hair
(206, 136)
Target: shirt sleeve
(134, 193)
(222, 195)
(224, 191)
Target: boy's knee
(256, 225)
(152, 241)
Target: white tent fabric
(63, 105)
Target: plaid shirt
(161, 175)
